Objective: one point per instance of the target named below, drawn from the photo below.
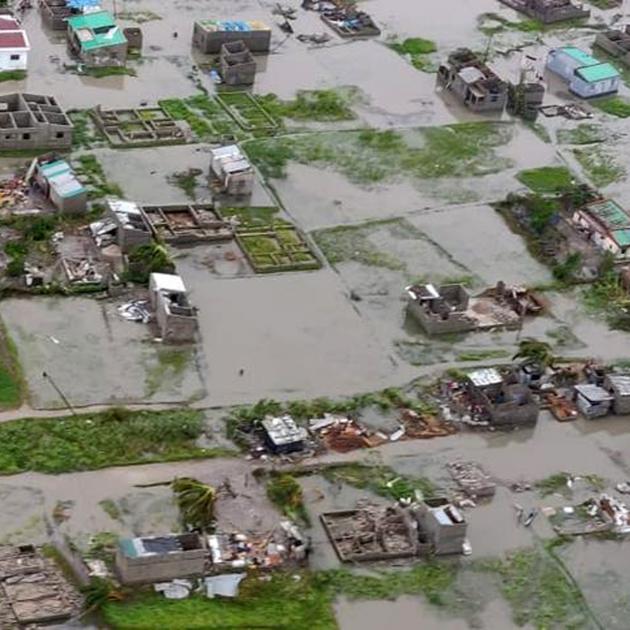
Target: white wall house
(14, 45)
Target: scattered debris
(472, 479)
(136, 311)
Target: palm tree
(535, 351)
(196, 501)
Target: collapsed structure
(500, 399)
(369, 533)
(175, 317)
(615, 42)
(124, 224)
(210, 35)
(33, 121)
(450, 309)
(237, 64)
(97, 40)
(472, 82)
(586, 76)
(33, 590)
(619, 386)
(549, 11)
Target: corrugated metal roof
(599, 72)
(485, 377)
(580, 56)
(97, 30)
(234, 25)
(621, 383)
(610, 214)
(622, 237)
(470, 74)
(593, 393)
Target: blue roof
(580, 56)
(82, 4)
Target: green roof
(622, 237)
(600, 72)
(580, 56)
(96, 30)
(610, 214)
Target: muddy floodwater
(403, 191)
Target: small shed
(592, 400)
(97, 40)
(587, 77)
(60, 185)
(232, 170)
(441, 524)
(282, 435)
(176, 318)
(237, 64)
(619, 386)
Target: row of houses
(480, 89)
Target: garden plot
(94, 356)
(270, 243)
(247, 111)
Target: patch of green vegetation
(12, 385)
(562, 483)
(285, 492)
(585, 133)
(12, 75)
(115, 437)
(147, 259)
(176, 108)
(492, 23)
(370, 156)
(253, 216)
(608, 296)
(416, 49)
(140, 17)
(316, 105)
(614, 105)
(539, 591)
(84, 132)
(382, 480)
(111, 509)
(283, 602)
(352, 243)
(600, 168)
(186, 180)
(91, 172)
(482, 355)
(171, 365)
(546, 179)
(604, 4)
(540, 131)
(566, 272)
(108, 71)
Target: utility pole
(61, 394)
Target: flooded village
(315, 314)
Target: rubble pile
(33, 589)
(472, 479)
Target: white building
(587, 77)
(232, 169)
(14, 45)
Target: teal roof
(584, 59)
(622, 237)
(127, 547)
(96, 30)
(599, 72)
(57, 167)
(610, 214)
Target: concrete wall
(158, 568)
(433, 324)
(210, 42)
(173, 327)
(584, 89)
(7, 63)
(70, 205)
(446, 539)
